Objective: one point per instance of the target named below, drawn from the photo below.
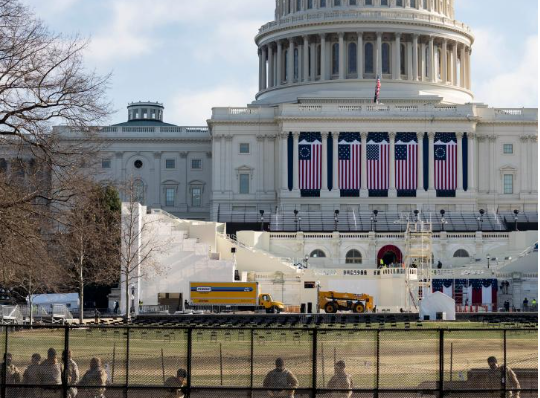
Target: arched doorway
(389, 254)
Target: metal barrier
(240, 362)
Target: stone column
(313, 71)
(364, 191)
(469, 68)
(463, 68)
(284, 162)
(279, 66)
(270, 66)
(415, 58)
(335, 161)
(444, 72)
(459, 161)
(455, 81)
(492, 156)
(263, 72)
(223, 157)
(409, 61)
(431, 62)
(341, 55)
(270, 156)
(359, 55)
(216, 163)
(420, 166)
(296, 160)
(305, 59)
(398, 57)
(423, 62)
(431, 170)
(260, 165)
(323, 57)
(392, 174)
(228, 164)
(324, 176)
(290, 62)
(378, 56)
(184, 200)
(525, 164)
(260, 69)
(471, 162)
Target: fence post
(441, 363)
(128, 330)
(189, 354)
(314, 365)
(66, 363)
(4, 370)
(504, 382)
(251, 363)
(376, 395)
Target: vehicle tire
(359, 307)
(330, 307)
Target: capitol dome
(325, 49)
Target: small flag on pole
(377, 90)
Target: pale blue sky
(195, 54)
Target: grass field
(223, 357)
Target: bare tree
(140, 245)
(89, 239)
(43, 83)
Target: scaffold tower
(418, 260)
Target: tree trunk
(81, 302)
(128, 312)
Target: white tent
(438, 302)
(70, 300)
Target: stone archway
(389, 254)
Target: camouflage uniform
(31, 376)
(277, 380)
(13, 376)
(50, 375)
(495, 379)
(72, 377)
(340, 381)
(94, 377)
(176, 387)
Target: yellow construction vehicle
(332, 302)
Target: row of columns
(272, 64)
(286, 7)
(420, 166)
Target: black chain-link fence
(260, 362)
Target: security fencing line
(303, 347)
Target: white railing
(310, 108)
(244, 111)
(511, 112)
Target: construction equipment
(242, 295)
(332, 302)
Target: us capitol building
(332, 174)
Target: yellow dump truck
(242, 295)
(332, 302)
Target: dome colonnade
(401, 43)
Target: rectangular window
(323, 3)
(508, 184)
(105, 163)
(169, 197)
(196, 197)
(413, 3)
(170, 163)
(196, 164)
(508, 149)
(399, 3)
(310, 4)
(145, 113)
(369, 2)
(384, 2)
(244, 183)
(337, 3)
(352, 2)
(298, 5)
(244, 148)
(153, 113)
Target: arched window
(461, 253)
(353, 67)
(296, 62)
(402, 59)
(386, 58)
(369, 57)
(353, 257)
(138, 191)
(335, 59)
(317, 253)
